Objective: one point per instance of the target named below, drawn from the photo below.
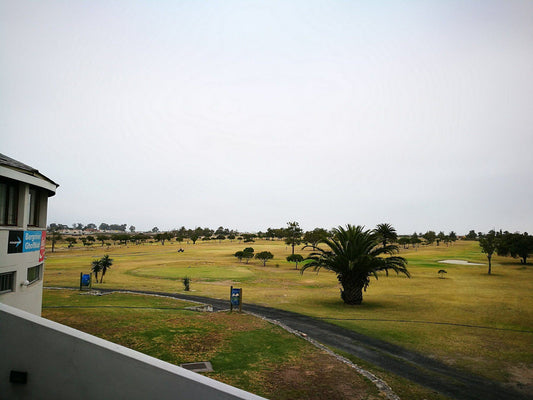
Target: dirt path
(416, 367)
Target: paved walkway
(413, 366)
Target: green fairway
(469, 319)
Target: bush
(187, 283)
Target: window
(34, 273)
(7, 281)
(8, 202)
(34, 208)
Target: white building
(24, 193)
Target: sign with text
(235, 298)
(24, 241)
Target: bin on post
(85, 281)
(235, 298)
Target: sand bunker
(460, 262)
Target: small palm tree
(354, 255)
(106, 264)
(96, 268)
(386, 233)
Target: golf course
(463, 317)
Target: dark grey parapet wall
(64, 363)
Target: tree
(293, 234)
(102, 238)
(471, 235)
(155, 229)
(239, 255)
(440, 237)
(296, 258)
(132, 228)
(220, 238)
(248, 237)
(161, 237)
(488, 244)
(315, 236)
(453, 236)
(96, 267)
(415, 240)
(386, 233)
(71, 241)
(55, 236)
(105, 263)
(264, 256)
(517, 245)
(430, 237)
(194, 237)
(354, 255)
(404, 241)
(248, 253)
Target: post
(231, 299)
(81, 277)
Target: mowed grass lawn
(245, 351)
(469, 319)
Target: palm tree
(106, 264)
(354, 255)
(386, 233)
(96, 267)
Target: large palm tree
(354, 254)
(386, 233)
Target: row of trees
(249, 253)
(516, 245)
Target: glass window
(8, 203)
(7, 282)
(34, 273)
(34, 208)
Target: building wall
(25, 297)
(64, 363)
(28, 298)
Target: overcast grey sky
(250, 114)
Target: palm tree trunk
(352, 291)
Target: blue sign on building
(24, 241)
(32, 241)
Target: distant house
(24, 194)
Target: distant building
(24, 193)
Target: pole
(230, 298)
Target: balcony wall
(64, 363)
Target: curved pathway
(425, 371)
